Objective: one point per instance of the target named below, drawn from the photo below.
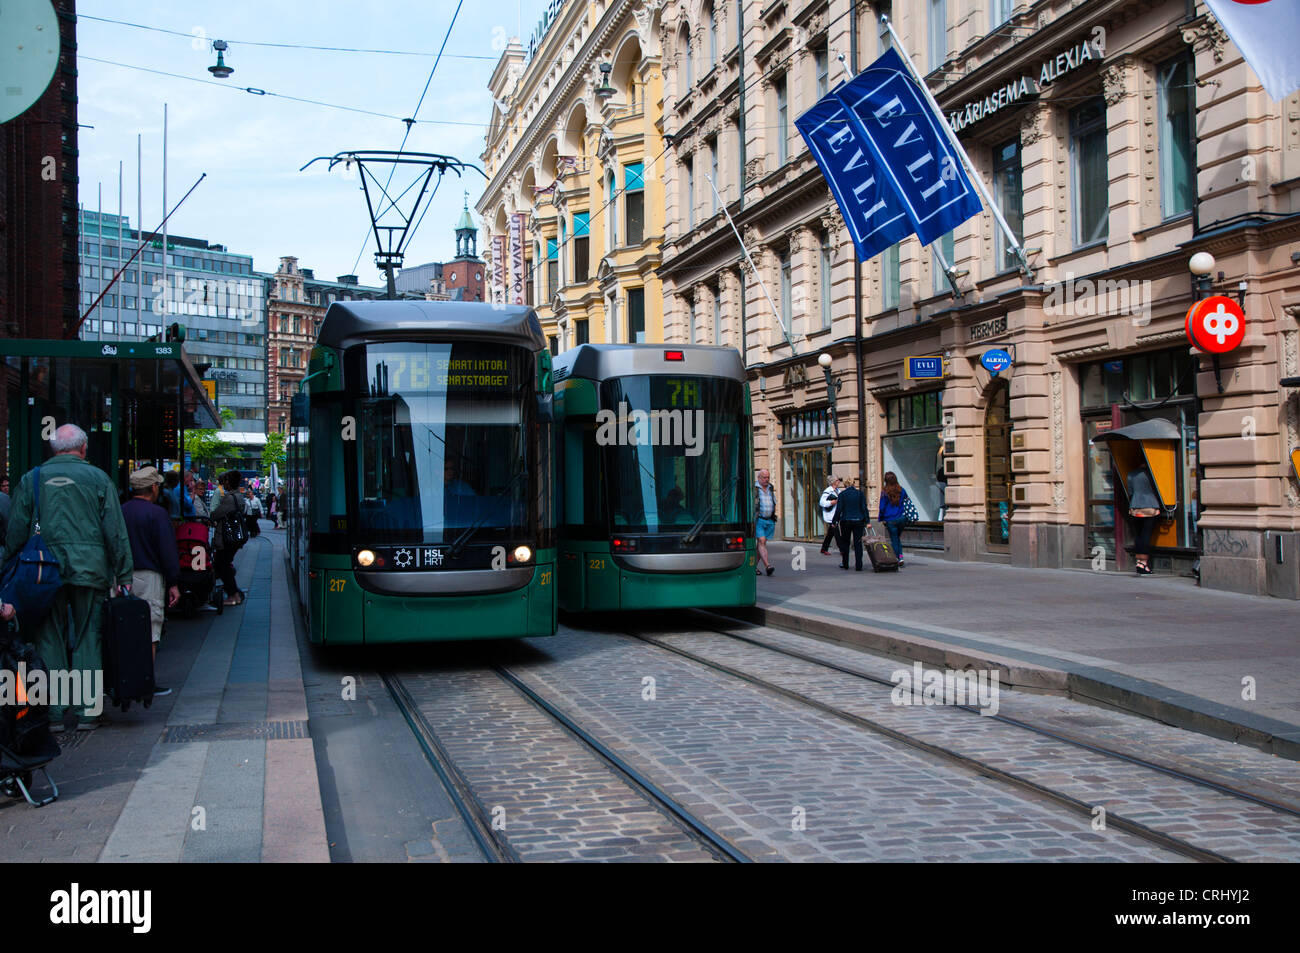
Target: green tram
(654, 455)
(420, 475)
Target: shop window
(806, 425)
(910, 448)
(1091, 179)
(1177, 136)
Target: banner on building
(498, 269)
(871, 209)
(517, 258)
(1266, 32)
(892, 116)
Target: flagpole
(961, 151)
(761, 283)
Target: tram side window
(583, 490)
(328, 490)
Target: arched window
(688, 67)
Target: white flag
(1268, 34)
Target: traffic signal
(175, 332)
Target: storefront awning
(1156, 429)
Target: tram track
(1076, 805)
(476, 815)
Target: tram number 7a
(336, 585)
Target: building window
(1008, 192)
(824, 273)
(890, 278)
(690, 319)
(128, 301)
(712, 38)
(634, 198)
(910, 448)
(782, 122)
(554, 343)
(552, 266)
(883, 40)
(110, 301)
(938, 33)
(688, 180)
(713, 171)
(581, 250)
(531, 284)
(999, 12)
(717, 315)
(821, 66)
(806, 425)
(636, 316)
(1177, 137)
(787, 289)
(688, 65)
(1091, 180)
(580, 332)
(946, 249)
(611, 206)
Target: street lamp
(1201, 265)
(604, 90)
(221, 70)
(832, 389)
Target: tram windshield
(442, 442)
(677, 453)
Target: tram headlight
(365, 557)
(523, 554)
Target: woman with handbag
(895, 509)
(229, 533)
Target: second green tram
(420, 475)
(654, 452)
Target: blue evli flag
(892, 116)
(871, 208)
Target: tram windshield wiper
(689, 538)
(461, 541)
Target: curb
(1047, 674)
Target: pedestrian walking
(851, 517)
(829, 497)
(81, 523)
(764, 518)
(1144, 511)
(153, 551)
(231, 504)
(4, 506)
(892, 512)
(193, 503)
(281, 503)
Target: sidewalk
(223, 769)
(1156, 645)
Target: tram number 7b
(336, 585)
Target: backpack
(31, 579)
(234, 530)
(24, 723)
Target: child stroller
(26, 745)
(198, 575)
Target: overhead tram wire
(410, 122)
(282, 46)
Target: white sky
(254, 200)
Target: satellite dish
(29, 54)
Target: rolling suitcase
(880, 553)
(128, 651)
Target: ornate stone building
(1117, 140)
(575, 147)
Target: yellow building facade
(575, 147)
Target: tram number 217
(336, 585)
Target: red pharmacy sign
(1216, 325)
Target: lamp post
(832, 388)
(1201, 265)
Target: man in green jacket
(81, 522)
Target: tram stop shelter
(134, 400)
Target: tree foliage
(273, 453)
(205, 444)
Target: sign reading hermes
(1026, 87)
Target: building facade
(212, 292)
(296, 305)
(575, 149)
(1117, 140)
